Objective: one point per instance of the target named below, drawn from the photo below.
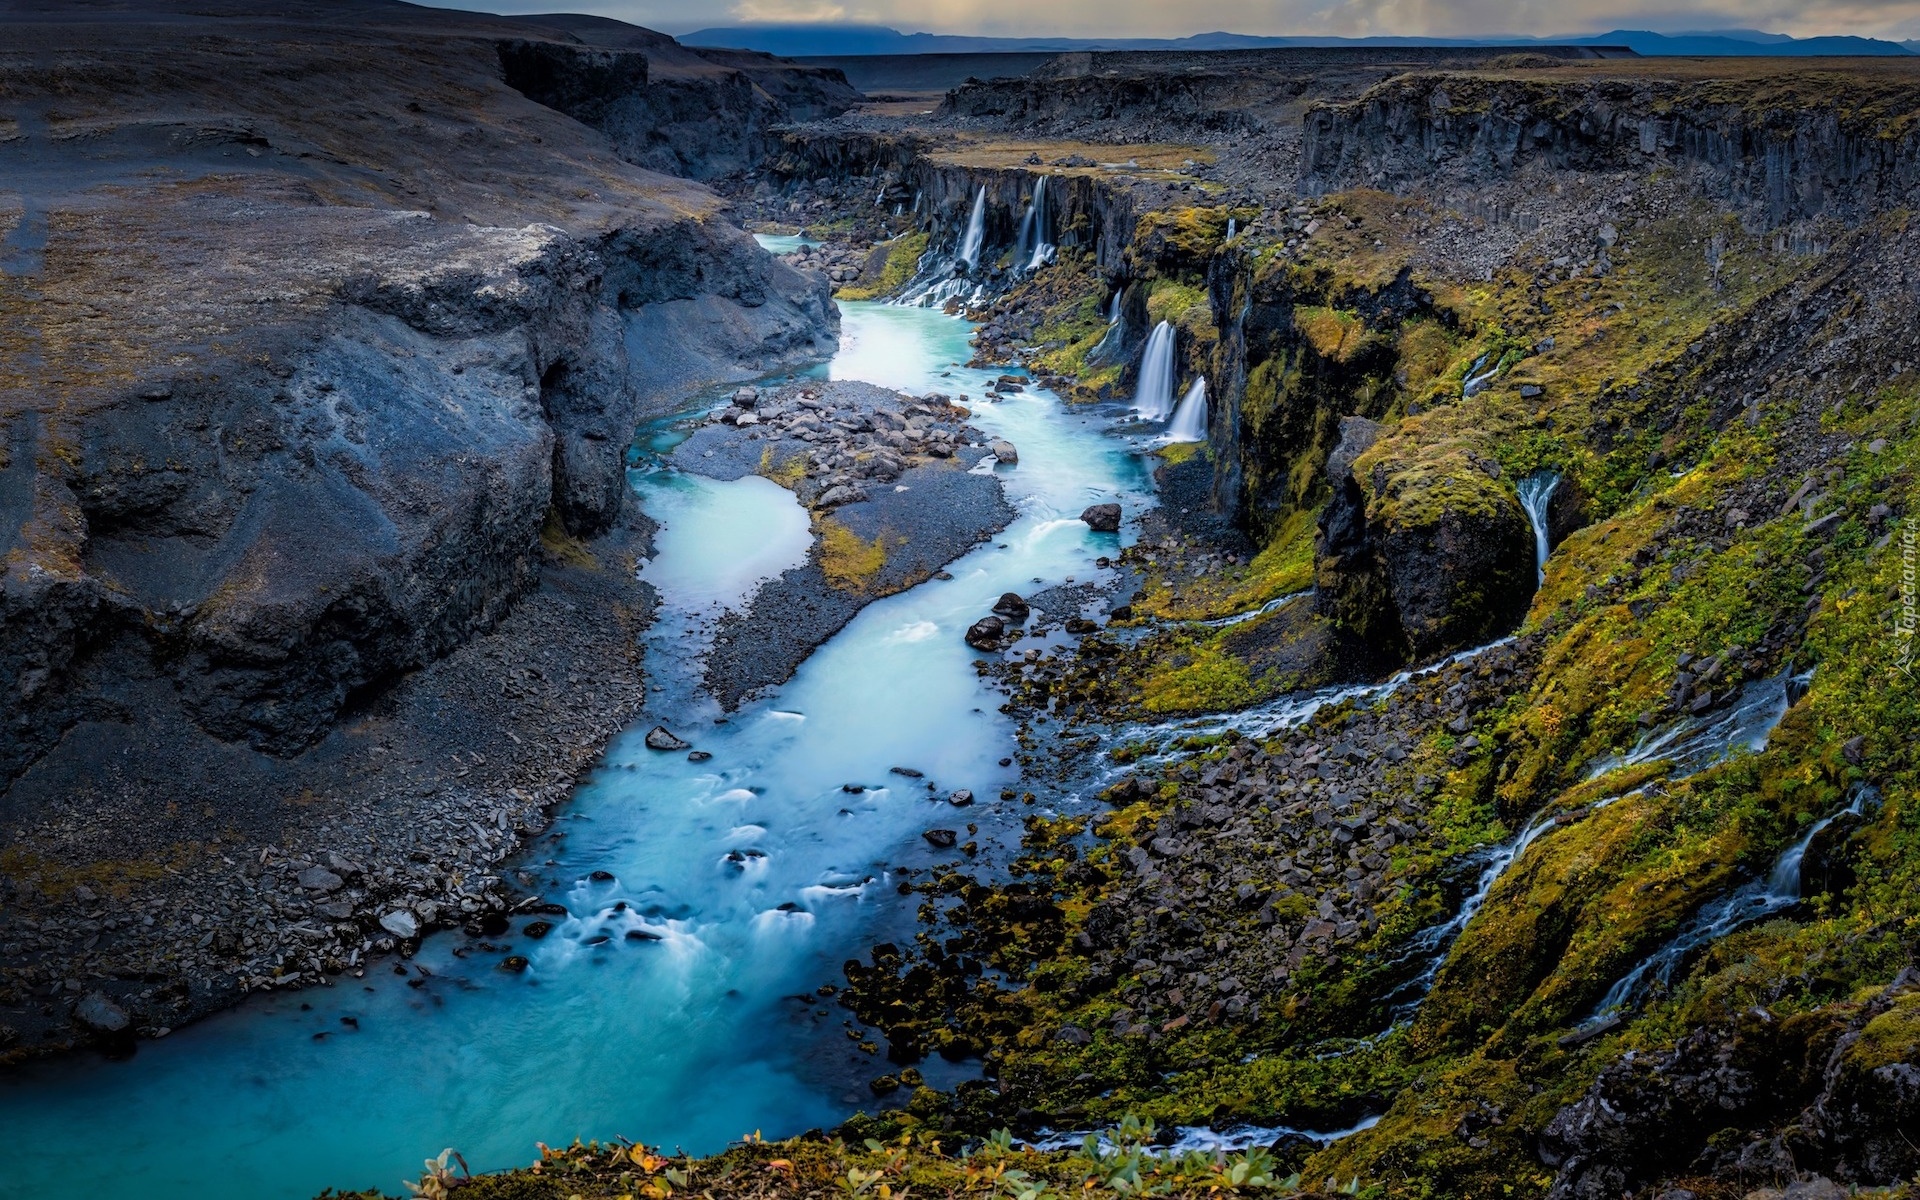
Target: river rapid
(706, 901)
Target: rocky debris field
(896, 491)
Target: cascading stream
(1034, 247)
(976, 234)
(1688, 747)
(1754, 901)
(1536, 495)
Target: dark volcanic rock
(658, 738)
(1430, 556)
(359, 451)
(1102, 518)
(1012, 607)
(985, 634)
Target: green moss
(903, 259)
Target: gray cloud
(1158, 18)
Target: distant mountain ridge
(804, 40)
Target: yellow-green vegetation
(112, 877)
(1122, 1162)
(1150, 159)
(787, 473)
(1177, 242)
(903, 259)
(1181, 452)
(1183, 304)
(1282, 567)
(849, 562)
(562, 547)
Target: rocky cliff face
(1759, 147)
(700, 113)
(315, 368)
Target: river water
(675, 1002)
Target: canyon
(1440, 730)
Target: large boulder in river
(1422, 550)
(659, 738)
(1102, 518)
(1012, 607)
(985, 633)
(1003, 451)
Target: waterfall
(1754, 901)
(1153, 399)
(1536, 493)
(1189, 422)
(976, 231)
(1032, 250)
(1233, 227)
(1689, 746)
(1113, 306)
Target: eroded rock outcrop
(1422, 550)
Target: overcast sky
(1176, 18)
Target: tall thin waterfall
(1233, 227)
(1033, 250)
(1113, 306)
(1190, 419)
(976, 231)
(1153, 399)
(1536, 493)
(1754, 901)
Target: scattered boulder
(941, 839)
(400, 923)
(1004, 451)
(1102, 518)
(746, 397)
(101, 1016)
(985, 634)
(319, 879)
(1012, 607)
(960, 798)
(658, 738)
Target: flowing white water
(1113, 306)
(673, 1001)
(1034, 247)
(1744, 726)
(1188, 1138)
(1153, 398)
(1272, 605)
(1473, 383)
(1189, 422)
(976, 233)
(1536, 494)
(1233, 228)
(1754, 901)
